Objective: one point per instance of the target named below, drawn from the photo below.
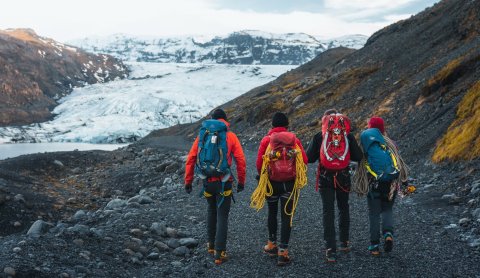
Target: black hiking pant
(335, 185)
(281, 193)
(380, 207)
(217, 213)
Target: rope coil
(265, 189)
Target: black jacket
(313, 151)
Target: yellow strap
(370, 170)
(394, 159)
(227, 193)
(206, 194)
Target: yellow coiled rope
(265, 189)
(361, 183)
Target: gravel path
(423, 247)
(105, 241)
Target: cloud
(365, 4)
(65, 20)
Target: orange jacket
(234, 147)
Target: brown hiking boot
(283, 258)
(210, 248)
(270, 249)
(220, 257)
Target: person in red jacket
(281, 193)
(218, 202)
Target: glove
(257, 177)
(240, 187)
(188, 188)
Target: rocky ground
(125, 214)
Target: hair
(330, 111)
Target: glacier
(156, 95)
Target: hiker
(334, 147)
(379, 177)
(281, 166)
(210, 159)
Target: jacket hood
(277, 129)
(225, 122)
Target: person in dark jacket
(334, 185)
(281, 193)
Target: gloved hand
(188, 188)
(240, 187)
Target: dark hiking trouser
(217, 214)
(380, 207)
(281, 192)
(329, 192)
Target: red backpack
(282, 166)
(334, 151)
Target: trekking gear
(330, 256)
(374, 249)
(188, 188)
(270, 249)
(283, 258)
(388, 245)
(362, 183)
(220, 257)
(335, 151)
(381, 161)
(212, 158)
(282, 157)
(345, 246)
(210, 248)
(265, 189)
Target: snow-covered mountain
(244, 47)
(156, 95)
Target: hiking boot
(283, 258)
(220, 257)
(331, 256)
(388, 245)
(270, 249)
(210, 248)
(374, 250)
(345, 246)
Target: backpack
(335, 151)
(381, 162)
(282, 165)
(212, 158)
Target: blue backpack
(381, 162)
(212, 158)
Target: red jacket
(264, 144)
(234, 148)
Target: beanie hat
(279, 120)
(219, 114)
(377, 122)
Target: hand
(188, 188)
(240, 187)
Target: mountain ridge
(414, 73)
(37, 71)
(242, 47)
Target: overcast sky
(64, 20)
